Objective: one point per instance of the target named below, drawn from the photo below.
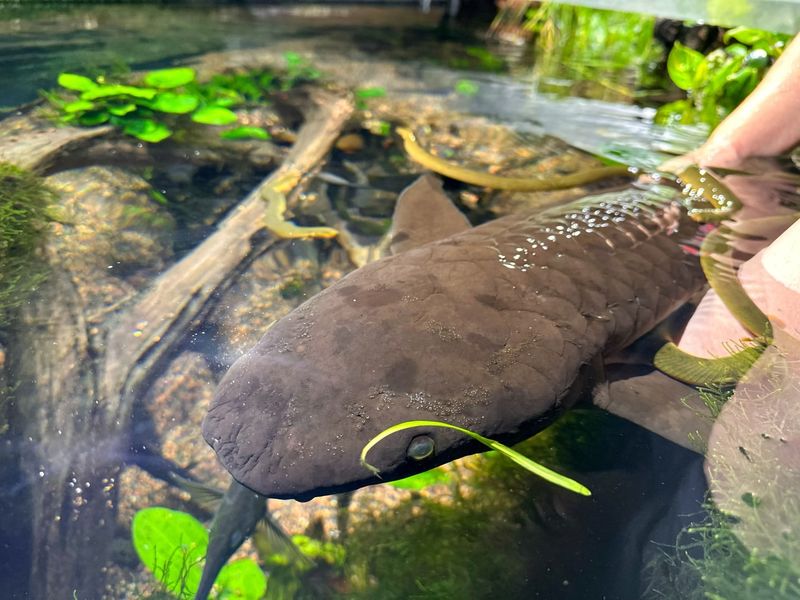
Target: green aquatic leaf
(225, 97)
(214, 115)
(509, 453)
(93, 118)
(370, 92)
(78, 106)
(293, 59)
(746, 35)
(739, 85)
(245, 132)
(172, 545)
(169, 78)
(79, 83)
(146, 130)
(116, 89)
(422, 480)
(465, 87)
(241, 579)
(169, 102)
(121, 110)
(683, 64)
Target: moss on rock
(25, 203)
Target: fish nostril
(421, 447)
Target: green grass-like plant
(520, 459)
(172, 545)
(710, 562)
(25, 212)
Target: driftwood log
(79, 371)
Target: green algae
(25, 213)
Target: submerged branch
(79, 379)
(146, 332)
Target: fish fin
(424, 214)
(656, 402)
(700, 370)
(203, 494)
(270, 538)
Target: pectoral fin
(424, 214)
(658, 403)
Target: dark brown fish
(494, 328)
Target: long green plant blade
(518, 458)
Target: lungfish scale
(494, 328)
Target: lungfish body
(496, 328)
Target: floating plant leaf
(422, 480)
(78, 106)
(683, 64)
(214, 115)
(171, 544)
(116, 89)
(79, 83)
(146, 130)
(122, 109)
(241, 579)
(169, 78)
(746, 35)
(509, 453)
(90, 119)
(245, 132)
(174, 103)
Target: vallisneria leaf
(245, 132)
(509, 453)
(214, 115)
(79, 83)
(169, 78)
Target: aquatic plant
(362, 95)
(454, 545)
(592, 52)
(716, 83)
(423, 480)
(162, 100)
(173, 544)
(709, 561)
(513, 455)
(25, 211)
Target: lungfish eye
(421, 447)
